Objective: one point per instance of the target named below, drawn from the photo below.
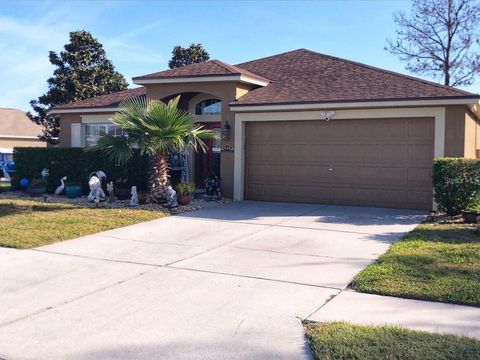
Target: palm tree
(156, 129)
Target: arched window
(208, 107)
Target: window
(93, 132)
(208, 107)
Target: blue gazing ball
(24, 183)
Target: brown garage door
(366, 162)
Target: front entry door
(208, 162)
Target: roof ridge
(463, 92)
(224, 65)
(271, 56)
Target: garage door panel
(371, 162)
(420, 153)
(419, 178)
(394, 129)
(423, 129)
(367, 152)
(393, 153)
(320, 152)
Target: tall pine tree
(82, 71)
(181, 56)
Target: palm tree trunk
(159, 178)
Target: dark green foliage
(82, 71)
(77, 164)
(181, 56)
(340, 340)
(456, 182)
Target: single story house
(306, 127)
(17, 130)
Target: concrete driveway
(226, 282)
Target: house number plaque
(227, 148)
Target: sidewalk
(415, 314)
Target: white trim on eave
(26, 137)
(350, 105)
(174, 80)
(81, 111)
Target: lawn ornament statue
(60, 189)
(111, 193)
(95, 185)
(212, 188)
(134, 198)
(171, 197)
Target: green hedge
(76, 164)
(456, 182)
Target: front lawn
(26, 223)
(439, 262)
(340, 340)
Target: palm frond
(117, 149)
(156, 127)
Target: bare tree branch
(439, 38)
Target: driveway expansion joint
(252, 277)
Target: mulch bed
(117, 204)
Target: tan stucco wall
(455, 131)
(66, 120)
(461, 132)
(471, 132)
(11, 143)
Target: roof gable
(209, 68)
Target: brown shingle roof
(299, 76)
(15, 122)
(304, 76)
(104, 101)
(207, 68)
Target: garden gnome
(134, 198)
(171, 197)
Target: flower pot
(37, 188)
(142, 198)
(73, 191)
(183, 199)
(471, 217)
(122, 193)
(36, 191)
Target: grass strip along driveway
(340, 340)
(438, 262)
(25, 223)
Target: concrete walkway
(414, 314)
(226, 282)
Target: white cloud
(25, 42)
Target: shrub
(76, 164)
(456, 182)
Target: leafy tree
(157, 129)
(440, 38)
(181, 56)
(82, 71)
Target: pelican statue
(60, 189)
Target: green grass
(25, 224)
(439, 262)
(340, 340)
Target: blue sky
(139, 35)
